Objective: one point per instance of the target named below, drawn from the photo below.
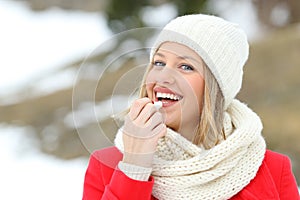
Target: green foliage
(124, 15)
(190, 7)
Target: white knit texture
(135, 172)
(182, 170)
(222, 45)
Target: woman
(202, 143)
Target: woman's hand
(142, 129)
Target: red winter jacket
(274, 180)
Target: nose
(166, 75)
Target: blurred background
(45, 43)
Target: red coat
(274, 180)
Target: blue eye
(187, 68)
(159, 63)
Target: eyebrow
(188, 58)
(159, 54)
(179, 57)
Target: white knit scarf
(182, 170)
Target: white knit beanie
(221, 44)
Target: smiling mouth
(160, 96)
(166, 96)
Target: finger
(155, 120)
(160, 130)
(137, 107)
(146, 113)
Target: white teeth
(167, 95)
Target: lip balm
(158, 104)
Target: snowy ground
(33, 45)
(28, 174)
(36, 43)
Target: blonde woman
(202, 143)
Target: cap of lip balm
(158, 104)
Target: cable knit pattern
(182, 170)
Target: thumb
(162, 131)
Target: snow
(241, 12)
(159, 15)
(37, 43)
(89, 112)
(34, 45)
(28, 174)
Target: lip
(168, 91)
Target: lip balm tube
(158, 104)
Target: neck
(188, 131)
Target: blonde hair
(210, 129)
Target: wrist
(135, 172)
(142, 159)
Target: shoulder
(278, 164)
(276, 173)
(274, 157)
(274, 180)
(109, 156)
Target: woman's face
(176, 79)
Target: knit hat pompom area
(222, 45)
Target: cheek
(197, 86)
(199, 90)
(149, 83)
